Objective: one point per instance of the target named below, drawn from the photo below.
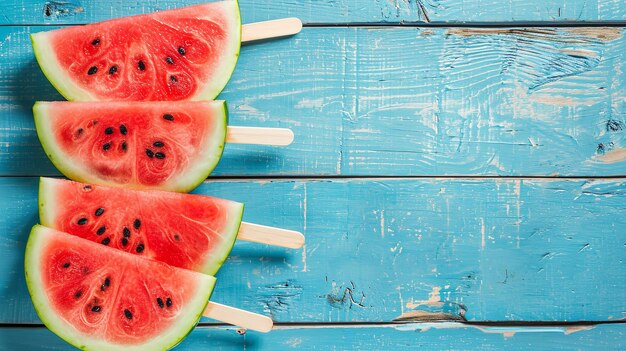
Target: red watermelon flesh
(163, 145)
(103, 299)
(182, 54)
(188, 231)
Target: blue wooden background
(459, 172)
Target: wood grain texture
(328, 11)
(402, 249)
(527, 101)
(445, 336)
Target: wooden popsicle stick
(270, 235)
(259, 136)
(240, 318)
(283, 27)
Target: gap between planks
(448, 323)
(374, 177)
(437, 24)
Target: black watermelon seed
(139, 248)
(78, 294)
(87, 187)
(173, 79)
(82, 221)
(169, 60)
(123, 129)
(105, 284)
(99, 212)
(108, 131)
(79, 132)
(66, 265)
(113, 69)
(141, 65)
(126, 232)
(168, 302)
(106, 241)
(124, 145)
(150, 153)
(159, 155)
(137, 223)
(95, 42)
(160, 302)
(168, 117)
(158, 144)
(181, 50)
(106, 146)
(176, 237)
(92, 70)
(96, 309)
(128, 314)
(101, 230)
(124, 242)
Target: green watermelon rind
(192, 177)
(47, 194)
(44, 54)
(63, 83)
(53, 322)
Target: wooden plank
(328, 11)
(363, 337)
(379, 250)
(530, 101)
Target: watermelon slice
(183, 54)
(188, 231)
(98, 298)
(166, 145)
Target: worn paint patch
(601, 33)
(417, 315)
(434, 299)
(612, 156)
(54, 9)
(277, 298)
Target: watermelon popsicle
(189, 231)
(98, 298)
(181, 54)
(143, 145)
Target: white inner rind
(47, 196)
(47, 59)
(189, 314)
(187, 179)
(219, 253)
(61, 160)
(209, 90)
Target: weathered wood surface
(381, 250)
(445, 336)
(398, 102)
(394, 101)
(329, 11)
